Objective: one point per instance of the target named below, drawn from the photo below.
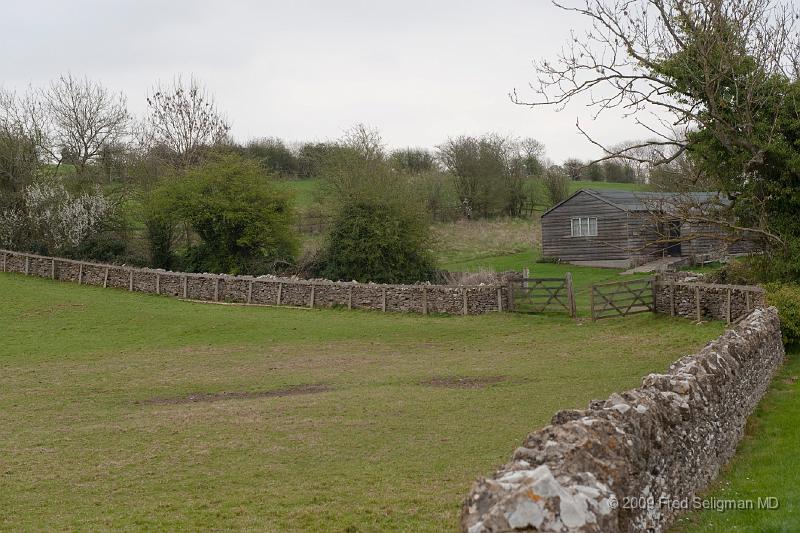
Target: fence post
(280, 290)
(697, 301)
(654, 284)
(573, 312)
(464, 295)
(5, 259)
(53, 268)
(499, 299)
(424, 300)
(185, 287)
(250, 292)
(728, 307)
(80, 273)
(130, 280)
(350, 297)
(158, 283)
(313, 287)
(526, 273)
(27, 265)
(105, 278)
(671, 299)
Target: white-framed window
(583, 227)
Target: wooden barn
(619, 228)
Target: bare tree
(21, 141)
(184, 118)
(366, 141)
(679, 68)
(82, 118)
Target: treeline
(81, 177)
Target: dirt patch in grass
(296, 390)
(791, 380)
(467, 382)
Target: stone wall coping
(750, 288)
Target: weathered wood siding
(612, 233)
(708, 245)
(643, 236)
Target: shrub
(48, 219)
(738, 272)
(786, 297)
(379, 242)
(243, 222)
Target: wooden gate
(622, 298)
(539, 295)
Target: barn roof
(641, 201)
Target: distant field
(577, 185)
(304, 190)
(130, 411)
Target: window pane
(593, 227)
(585, 226)
(575, 230)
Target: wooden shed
(616, 226)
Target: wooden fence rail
(622, 298)
(539, 295)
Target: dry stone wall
(266, 290)
(704, 301)
(629, 463)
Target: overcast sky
(307, 70)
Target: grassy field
(304, 190)
(130, 411)
(767, 464)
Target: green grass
(767, 464)
(303, 191)
(82, 449)
(577, 185)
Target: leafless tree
(81, 118)
(678, 67)
(366, 141)
(620, 65)
(185, 119)
(21, 140)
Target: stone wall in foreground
(265, 290)
(626, 463)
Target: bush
(49, 219)
(243, 222)
(786, 297)
(738, 272)
(379, 242)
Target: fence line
(698, 301)
(424, 299)
(730, 303)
